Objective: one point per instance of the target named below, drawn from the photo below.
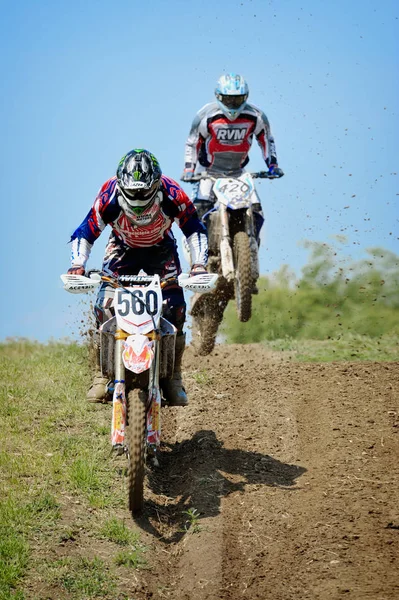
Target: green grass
(115, 530)
(131, 559)
(201, 377)
(82, 577)
(345, 348)
(59, 483)
(192, 520)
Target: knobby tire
(243, 283)
(204, 331)
(135, 434)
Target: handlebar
(257, 175)
(78, 284)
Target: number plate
(136, 307)
(234, 192)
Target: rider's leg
(202, 206)
(103, 312)
(202, 197)
(117, 259)
(258, 224)
(175, 312)
(259, 219)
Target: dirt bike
(233, 254)
(137, 350)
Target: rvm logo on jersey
(231, 135)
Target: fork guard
(226, 256)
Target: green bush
(332, 297)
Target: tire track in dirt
(294, 471)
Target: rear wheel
(135, 435)
(243, 283)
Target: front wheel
(207, 313)
(243, 281)
(135, 436)
(204, 329)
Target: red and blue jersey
(152, 227)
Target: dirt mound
(278, 481)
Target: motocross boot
(98, 389)
(173, 390)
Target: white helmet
(231, 93)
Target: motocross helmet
(139, 178)
(231, 93)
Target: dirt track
(294, 471)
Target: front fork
(119, 397)
(226, 253)
(154, 402)
(153, 406)
(253, 245)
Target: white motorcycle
(137, 350)
(233, 254)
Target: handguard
(79, 284)
(201, 283)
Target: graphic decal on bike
(118, 414)
(138, 353)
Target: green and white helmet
(139, 177)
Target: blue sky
(83, 82)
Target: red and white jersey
(223, 145)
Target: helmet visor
(233, 102)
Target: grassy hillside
(62, 492)
(57, 480)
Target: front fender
(138, 353)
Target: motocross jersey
(222, 145)
(151, 228)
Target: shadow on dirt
(196, 474)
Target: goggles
(140, 194)
(232, 102)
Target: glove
(188, 174)
(76, 271)
(275, 171)
(198, 270)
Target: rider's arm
(198, 133)
(265, 139)
(195, 232)
(104, 210)
(198, 246)
(179, 206)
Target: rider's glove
(188, 172)
(198, 270)
(275, 171)
(76, 271)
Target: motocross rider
(220, 139)
(140, 204)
